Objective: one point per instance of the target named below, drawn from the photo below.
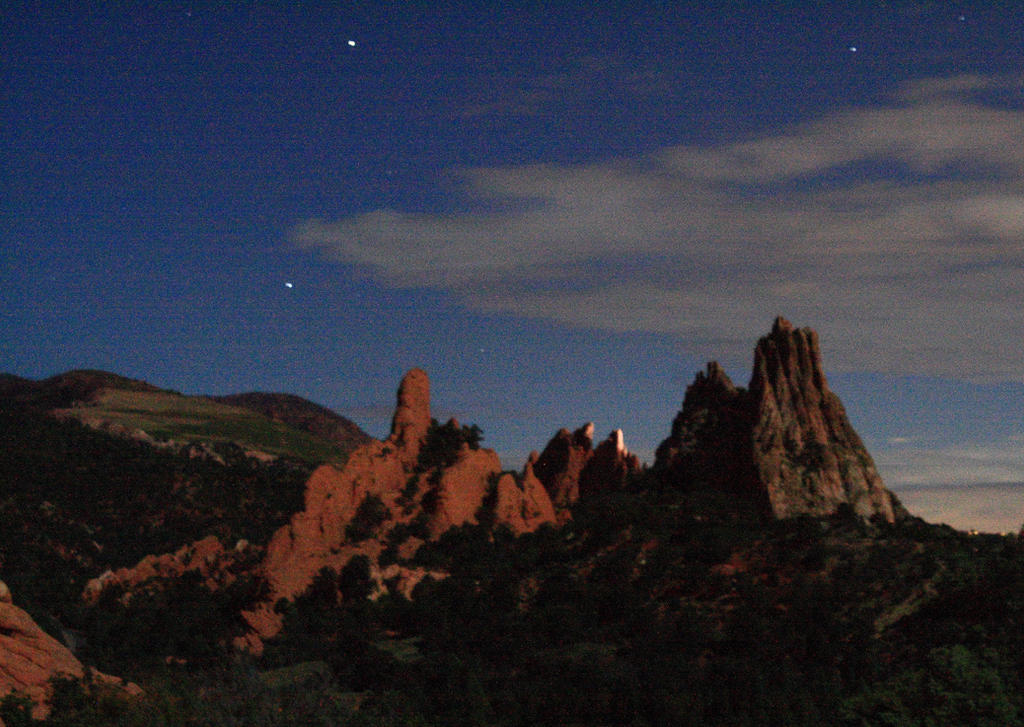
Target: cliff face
(785, 441)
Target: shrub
(370, 514)
(443, 442)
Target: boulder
(30, 658)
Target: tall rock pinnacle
(786, 440)
(412, 413)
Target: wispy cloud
(896, 230)
(913, 463)
(989, 508)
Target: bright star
(352, 43)
(853, 49)
(288, 285)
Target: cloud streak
(896, 230)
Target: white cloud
(897, 231)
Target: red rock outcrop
(30, 658)
(207, 556)
(560, 464)
(608, 467)
(569, 468)
(523, 503)
(402, 488)
(461, 489)
(785, 441)
(412, 413)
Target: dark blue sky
(560, 214)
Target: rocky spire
(412, 413)
(808, 456)
(570, 468)
(786, 441)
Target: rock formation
(30, 658)
(412, 413)
(569, 468)
(523, 503)
(785, 441)
(402, 491)
(608, 466)
(559, 466)
(207, 556)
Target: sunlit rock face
(570, 467)
(785, 441)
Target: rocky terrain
(758, 572)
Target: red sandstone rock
(786, 441)
(412, 413)
(30, 658)
(523, 505)
(317, 537)
(559, 466)
(570, 469)
(462, 488)
(608, 467)
(207, 556)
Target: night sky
(560, 214)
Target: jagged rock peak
(618, 440)
(781, 325)
(786, 440)
(559, 466)
(412, 411)
(712, 386)
(608, 466)
(789, 360)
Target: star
(352, 44)
(853, 49)
(288, 285)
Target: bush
(370, 514)
(443, 442)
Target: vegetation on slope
(652, 606)
(75, 502)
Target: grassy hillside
(104, 400)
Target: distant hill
(301, 414)
(271, 424)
